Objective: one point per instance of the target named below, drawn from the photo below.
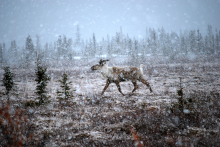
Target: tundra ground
(89, 119)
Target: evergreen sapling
(8, 80)
(42, 79)
(64, 84)
(180, 94)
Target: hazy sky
(51, 18)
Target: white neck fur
(105, 71)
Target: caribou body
(120, 74)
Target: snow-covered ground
(89, 119)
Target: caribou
(120, 74)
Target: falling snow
(178, 43)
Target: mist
(49, 19)
(109, 73)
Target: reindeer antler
(101, 61)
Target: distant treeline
(156, 42)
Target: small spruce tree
(8, 81)
(64, 84)
(180, 98)
(42, 79)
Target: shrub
(15, 129)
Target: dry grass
(88, 119)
